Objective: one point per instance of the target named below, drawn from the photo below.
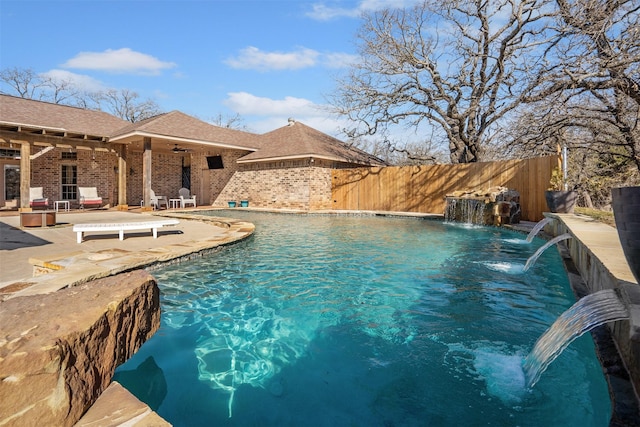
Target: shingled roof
(55, 118)
(297, 141)
(179, 126)
(294, 141)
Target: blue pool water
(364, 321)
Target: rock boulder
(58, 351)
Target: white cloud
(79, 81)
(255, 59)
(252, 58)
(122, 60)
(265, 114)
(247, 104)
(322, 12)
(339, 60)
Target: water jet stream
(591, 311)
(544, 247)
(535, 230)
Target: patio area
(28, 252)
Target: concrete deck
(26, 254)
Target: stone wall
(489, 206)
(58, 351)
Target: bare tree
(26, 83)
(594, 90)
(230, 122)
(59, 91)
(127, 105)
(461, 66)
(22, 82)
(88, 100)
(123, 103)
(400, 153)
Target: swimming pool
(339, 320)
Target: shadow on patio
(14, 238)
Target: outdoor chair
(36, 198)
(89, 197)
(158, 201)
(186, 198)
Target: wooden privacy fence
(423, 188)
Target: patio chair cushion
(89, 196)
(38, 203)
(89, 192)
(36, 198)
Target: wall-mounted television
(214, 162)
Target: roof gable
(297, 140)
(177, 125)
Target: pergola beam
(25, 174)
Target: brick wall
(166, 175)
(207, 183)
(293, 184)
(95, 169)
(320, 188)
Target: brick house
(60, 148)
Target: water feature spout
(591, 311)
(544, 247)
(535, 230)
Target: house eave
(30, 132)
(301, 157)
(178, 139)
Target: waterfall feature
(470, 211)
(532, 260)
(535, 230)
(490, 206)
(591, 311)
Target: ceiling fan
(177, 149)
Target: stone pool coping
(595, 261)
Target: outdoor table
(175, 203)
(65, 205)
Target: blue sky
(266, 60)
